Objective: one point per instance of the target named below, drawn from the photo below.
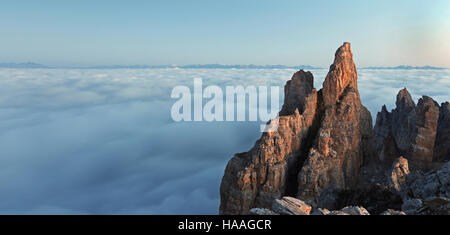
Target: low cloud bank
(103, 142)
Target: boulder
(399, 171)
(290, 206)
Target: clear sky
(290, 32)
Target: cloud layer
(103, 142)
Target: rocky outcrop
(403, 121)
(385, 144)
(409, 131)
(431, 200)
(399, 172)
(296, 92)
(428, 185)
(255, 178)
(422, 146)
(342, 76)
(344, 137)
(290, 206)
(322, 140)
(325, 155)
(429, 206)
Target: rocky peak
(404, 100)
(269, 170)
(344, 139)
(323, 154)
(296, 91)
(342, 75)
(322, 139)
(412, 131)
(403, 122)
(422, 146)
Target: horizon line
(201, 66)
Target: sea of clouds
(86, 141)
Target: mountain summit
(325, 152)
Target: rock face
(255, 178)
(329, 129)
(344, 137)
(342, 76)
(296, 92)
(325, 155)
(430, 184)
(422, 148)
(409, 131)
(399, 172)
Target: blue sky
(382, 33)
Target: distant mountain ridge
(191, 66)
(200, 66)
(204, 66)
(22, 65)
(406, 67)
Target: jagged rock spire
(318, 143)
(344, 139)
(404, 99)
(296, 91)
(323, 147)
(410, 130)
(342, 74)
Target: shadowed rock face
(409, 130)
(422, 147)
(394, 132)
(296, 91)
(403, 121)
(442, 143)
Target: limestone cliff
(256, 178)
(344, 138)
(329, 128)
(326, 154)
